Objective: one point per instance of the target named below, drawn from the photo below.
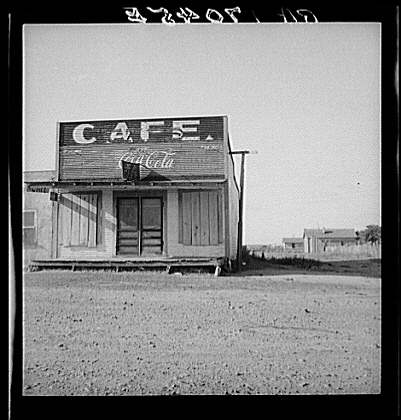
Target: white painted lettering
(121, 132)
(167, 163)
(78, 134)
(187, 15)
(305, 13)
(219, 19)
(157, 159)
(230, 12)
(146, 129)
(134, 15)
(139, 160)
(181, 127)
(167, 17)
(283, 14)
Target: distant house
(320, 240)
(293, 244)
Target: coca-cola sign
(164, 149)
(150, 159)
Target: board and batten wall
(40, 204)
(200, 245)
(105, 246)
(211, 243)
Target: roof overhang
(119, 185)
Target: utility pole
(241, 204)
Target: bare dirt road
(135, 334)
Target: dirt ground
(150, 333)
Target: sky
(306, 97)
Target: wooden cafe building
(157, 192)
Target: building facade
(293, 244)
(37, 217)
(321, 240)
(140, 190)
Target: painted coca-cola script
(151, 159)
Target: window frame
(34, 227)
(98, 230)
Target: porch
(117, 264)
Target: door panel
(151, 214)
(128, 242)
(151, 227)
(127, 234)
(149, 234)
(128, 213)
(128, 226)
(139, 226)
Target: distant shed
(320, 240)
(293, 244)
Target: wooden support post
(241, 204)
(240, 212)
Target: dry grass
(344, 253)
(255, 263)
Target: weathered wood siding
(200, 217)
(79, 219)
(101, 226)
(298, 246)
(201, 222)
(106, 228)
(41, 204)
(320, 245)
(164, 152)
(175, 247)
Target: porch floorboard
(127, 264)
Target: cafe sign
(169, 148)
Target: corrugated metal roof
(339, 233)
(293, 240)
(312, 232)
(330, 233)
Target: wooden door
(128, 226)
(151, 226)
(139, 226)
